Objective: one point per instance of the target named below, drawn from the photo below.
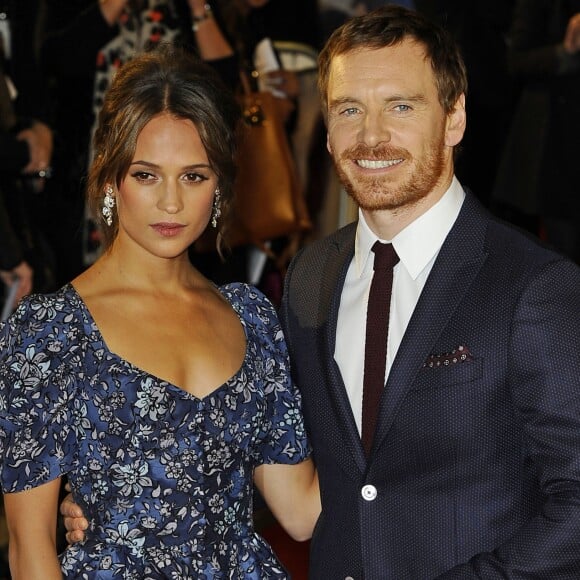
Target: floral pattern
(157, 21)
(164, 477)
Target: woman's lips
(168, 230)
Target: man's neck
(387, 223)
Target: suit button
(369, 492)
(348, 578)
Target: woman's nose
(170, 200)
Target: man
(474, 469)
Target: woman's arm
(292, 494)
(112, 10)
(209, 37)
(212, 43)
(31, 519)
(539, 46)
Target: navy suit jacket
(476, 463)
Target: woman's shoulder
(39, 314)
(47, 306)
(248, 300)
(257, 314)
(251, 304)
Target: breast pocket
(447, 376)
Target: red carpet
(294, 555)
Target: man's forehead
(401, 60)
(408, 47)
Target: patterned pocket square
(457, 355)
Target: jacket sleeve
(545, 387)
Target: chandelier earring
(216, 211)
(108, 205)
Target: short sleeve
(37, 398)
(283, 438)
(286, 441)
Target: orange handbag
(268, 201)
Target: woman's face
(165, 201)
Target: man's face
(388, 134)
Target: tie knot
(385, 256)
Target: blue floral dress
(165, 478)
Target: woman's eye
(195, 177)
(142, 176)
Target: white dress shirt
(417, 247)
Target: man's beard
(379, 193)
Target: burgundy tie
(376, 338)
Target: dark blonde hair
(388, 26)
(165, 80)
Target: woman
(161, 397)
(84, 43)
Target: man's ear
(328, 147)
(456, 123)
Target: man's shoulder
(514, 243)
(320, 260)
(341, 240)
(519, 260)
(504, 242)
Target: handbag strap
(248, 81)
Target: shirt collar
(421, 240)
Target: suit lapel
(457, 265)
(338, 259)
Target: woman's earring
(216, 211)
(108, 205)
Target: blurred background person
(539, 176)
(26, 144)
(13, 267)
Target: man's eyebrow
(416, 98)
(342, 101)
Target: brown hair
(165, 80)
(390, 25)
